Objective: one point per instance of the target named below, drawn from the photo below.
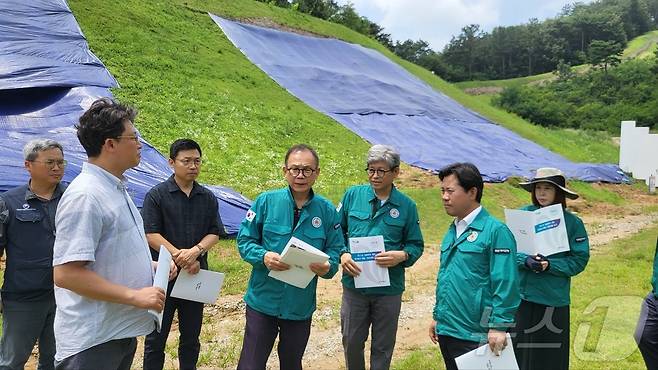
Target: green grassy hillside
(187, 79)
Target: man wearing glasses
(27, 234)
(274, 307)
(181, 215)
(102, 264)
(377, 209)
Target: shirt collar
(311, 194)
(172, 186)
(470, 217)
(29, 194)
(393, 198)
(104, 174)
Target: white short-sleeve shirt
(97, 221)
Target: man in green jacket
(274, 307)
(477, 290)
(377, 209)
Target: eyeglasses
(188, 162)
(134, 138)
(379, 172)
(51, 163)
(306, 172)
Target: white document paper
(299, 254)
(161, 280)
(542, 231)
(483, 358)
(364, 250)
(203, 286)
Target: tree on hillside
(377, 32)
(323, 9)
(639, 18)
(605, 53)
(462, 49)
(347, 16)
(411, 50)
(652, 8)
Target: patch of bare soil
(268, 23)
(483, 90)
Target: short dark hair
(468, 176)
(183, 144)
(302, 148)
(103, 120)
(560, 196)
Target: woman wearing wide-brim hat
(542, 320)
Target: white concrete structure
(638, 152)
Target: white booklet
(483, 358)
(299, 254)
(161, 279)
(363, 251)
(542, 231)
(204, 286)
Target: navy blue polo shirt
(27, 235)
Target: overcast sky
(436, 21)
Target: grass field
(641, 46)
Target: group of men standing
(98, 249)
(91, 241)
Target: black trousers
(113, 355)
(260, 332)
(646, 333)
(190, 317)
(541, 337)
(452, 348)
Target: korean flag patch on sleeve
(250, 215)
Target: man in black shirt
(181, 215)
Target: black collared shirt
(180, 219)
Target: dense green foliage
(597, 99)
(537, 47)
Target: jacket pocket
(315, 237)
(28, 215)
(357, 223)
(275, 237)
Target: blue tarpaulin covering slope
(48, 78)
(383, 103)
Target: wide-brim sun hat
(552, 176)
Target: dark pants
(646, 333)
(541, 337)
(452, 348)
(23, 324)
(259, 334)
(190, 318)
(113, 355)
(357, 313)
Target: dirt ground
(224, 321)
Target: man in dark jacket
(27, 235)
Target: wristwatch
(203, 251)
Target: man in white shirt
(102, 264)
